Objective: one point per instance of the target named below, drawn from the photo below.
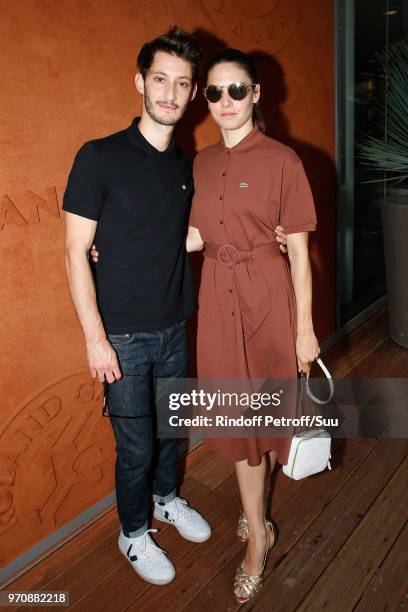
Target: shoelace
(150, 551)
(182, 508)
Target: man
(131, 192)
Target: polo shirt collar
(137, 139)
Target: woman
(254, 308)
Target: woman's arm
(307, 347)
(194, 241)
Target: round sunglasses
(236, 91)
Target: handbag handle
(330, 380)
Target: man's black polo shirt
(141, 200)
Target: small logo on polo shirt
(184, 187)
(243, 185)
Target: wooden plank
(208, 585)
(388, 589)
(212, 470)
(289, 582)
(388, 361)
(345, 356)
(194, 457)
(353, 567)
(121, 586)
(56, 563)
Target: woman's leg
(268, 471)
(251, 481)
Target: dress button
(233, 313)
(230, 290)
(220, 197)
(221, 221)
(223, 174)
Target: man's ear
(193, 92)
(139, 82)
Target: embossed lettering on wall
(267, 23)
(33, 209)
(55, 441)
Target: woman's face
(231, 114)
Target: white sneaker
(189, 523)
(147, 559)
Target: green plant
(390, 153)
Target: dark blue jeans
(144, 463)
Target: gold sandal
(242, 527)
(251, 584)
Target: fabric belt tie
(250, 284)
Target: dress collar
(251, 139)
(137, 139)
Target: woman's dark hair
(244, 61)
(176, 42)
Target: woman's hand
(94, 254)
(307, 349)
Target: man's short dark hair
(176, 42)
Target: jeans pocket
(120, 339)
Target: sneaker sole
(186, 537)
(145, 578)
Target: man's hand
(94, 254)
(280, 237)
(103, 361)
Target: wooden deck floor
(343, 537)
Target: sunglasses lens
(213, 93)
(237, 91)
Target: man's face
(167, 88)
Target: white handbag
(310, 450)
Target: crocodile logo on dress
(184, 187)
(243, 185)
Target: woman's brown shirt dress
(247, 304)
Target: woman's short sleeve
(297, 209)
